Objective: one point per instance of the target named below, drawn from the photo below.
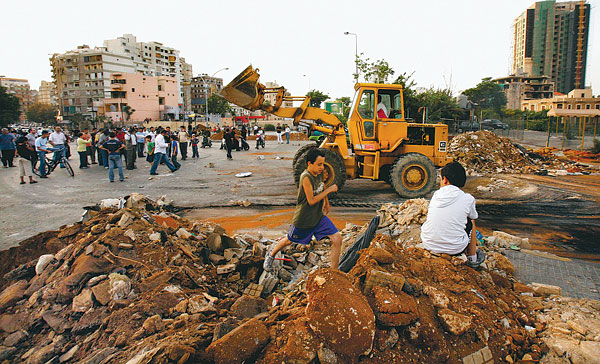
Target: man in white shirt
(450, 224)
(140, 136)
(58, 140)
(382, 111)
(160, 152)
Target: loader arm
(245, 91)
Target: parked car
(494, 124)
(468, 126)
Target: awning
(578, 113)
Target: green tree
(411, 101)
(9, 108)
(218, 105)
(128, 110)
(316, 97)
(487, 95)
(440, 104)
(378, 71)
(42, 113)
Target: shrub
(269, 127)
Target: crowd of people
(119, 148)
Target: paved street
(29, 209)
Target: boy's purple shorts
(303, 236)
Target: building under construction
(551, 39)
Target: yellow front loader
(383, 145)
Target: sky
(298, 44)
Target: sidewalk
(576, 278)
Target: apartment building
(135, 97)
(518, 88)
(271, 98)
(199, 87)
(47, 93)
(82, 78)
(551, 39)
(20, 88)
(578, 99)
(154, 59)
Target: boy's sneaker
(269, 259)
(480, 259)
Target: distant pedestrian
(82, 145)
(31, 137)
(41, 150)
(25, 154)
(260, 138)
(287, 134)
(195, 142)
(113, 147)
(103, 138)
(183, 138)
(140, 136)
(7, 148)
(92, 148)
(130, 148)
(279, 130)
(160, 153)
(149, 149)
(174, 151)
(255, 129)
(228, 137)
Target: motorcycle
(245, 145)
(206, 142)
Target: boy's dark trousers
(183, 148)
(195, 151)
(91, 152)
(130, 156)
(175, 163)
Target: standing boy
(450, 224)
(311, 210)
(194, 142)
(42, 149)
(150, 149)
(113, 147)
(174, 151)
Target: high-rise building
(82, 78)
(153, 59)
(47, 93)
(20, 88)
(200, 86)
(519, 88)
(551, 39)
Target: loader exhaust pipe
(245, 90)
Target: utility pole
(355, 51)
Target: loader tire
(335, 170)
(302, 150)
(413, 175)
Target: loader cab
(365, 121)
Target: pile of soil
(137, 285)
(483, 152)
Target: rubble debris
(484, 152)
(184, 292)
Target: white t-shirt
(444, 229)
(57, 138)
(160, 146)
(152, 136)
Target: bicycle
(51, 165)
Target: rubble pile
(132, 283)
(571, 328)
(482, 152)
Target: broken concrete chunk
(268, 281)
(42, 262)
(83, 301)
(214, 242)
(184, 234)
(540, 289)
(126, 220)
(248, 306)
(227, 268)
(454, 322)
(130, 234)
(383, 279)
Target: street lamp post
(206, 91)
(308, 77)
(355, 51)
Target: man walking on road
(183, 137)
(160, 153)
(113, 147)
(130, 148)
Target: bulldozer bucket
(244, 90)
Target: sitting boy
(450, 225)
(311, 210)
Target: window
(578, 107)
(132, 89)
(159, 87)
(588, 106)
(366, 106)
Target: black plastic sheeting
(350, 257)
